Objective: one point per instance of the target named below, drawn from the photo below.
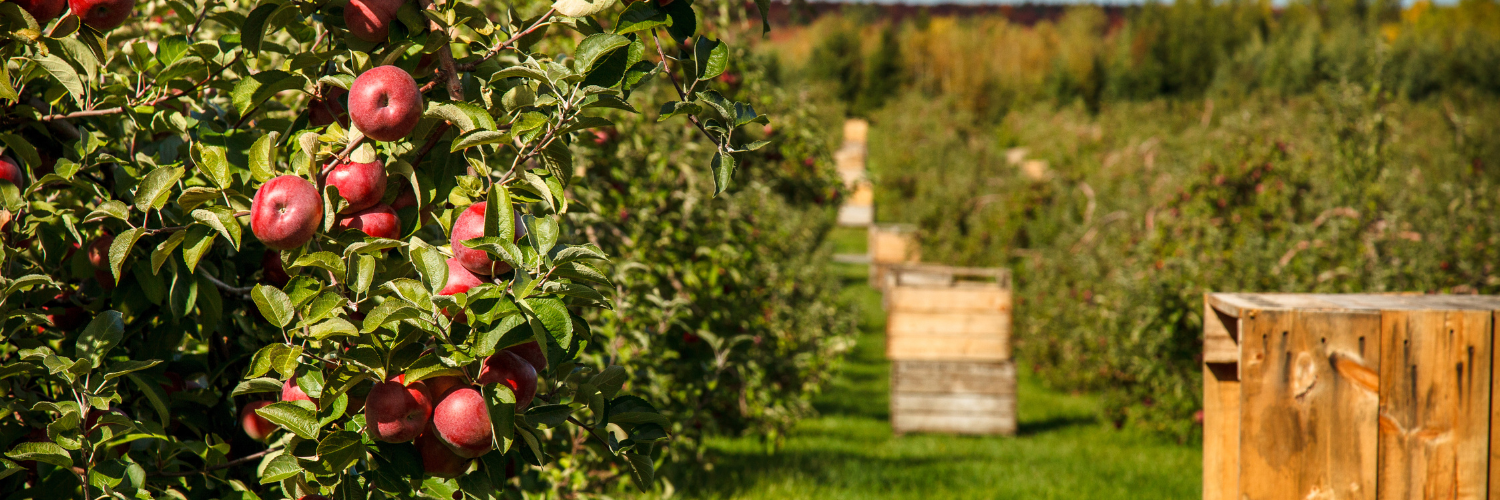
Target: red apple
(286, 212)
(438, 387)
(102, 15)
(256, 426)
(98, 251)
(470, 225)
(385, 103)
(370, 20)
(275, 272)
(437, 459)
(379, 221)
(532, 353)
(43, 10)
(462, 421)
(328, 109)
(106, 279)
(290, 392)
(11, 171)
(361, 184)
(396, 412)
(512, 371)
(407, 198)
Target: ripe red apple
(379, 221)
(98, 251)
(370, 20)
(256, 426)
(290, 392)
(470, 225)
(11, 171)
(532, 353)
(385, 103)
(509, 369)
(407, 197)
(460, 280)
(328, 109)
(437, 459)
(286, 212)
(462, 421)
(102, 15)
(438, 387)
(43, 10)
(396, 412)
(106, 279)
(275, 272)
(361, 184)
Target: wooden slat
(931, 324)
(1308, 405)
(1435, 404)
(1220, 336)
(945, 377)
(957, 424)
(949, 299)
(1494, 411)
(952, 404)
(947, 348)
(1221, 431)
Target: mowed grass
(848, 451)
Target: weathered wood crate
(888, 245)
(1349, 396)
(948, 338)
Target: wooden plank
(929, 377)
(964, 324)
(956, 424)
(1221, 431)
(949, 299)
(1233, 303)
(1308, 405)
(947, 348)
(893, 244)
(952, 404)
(1435, 404)
(1220, 336)
(1494, 411)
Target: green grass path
(848, 451)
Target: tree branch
(541, 21)
(243, 290)
(445, 59)
(232, 463)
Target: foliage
(732, 323)
(129, 365)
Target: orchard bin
(1349, 396)
(948, 338)
(890, 244)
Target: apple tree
(305, 249)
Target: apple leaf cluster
(294, 248)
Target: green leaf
(103, 334)
(678, 108)
(549, 415)
(387, 312)
(254, 29)
(257, 385)
(712, 58)
(250, 92)
(594, 48)
(293, 416)
(182, 68)
(498, 247)
(465, 116)
(273, 304)
(333, 327)
(199, 239)
(642, 470)
(519, 72)
(154, 394)
(581, 8)
(634, 410)
(194, 196)
(479, 138)
(571, 253)
(428, 366)
(45, 452)
(553, 315)
(155, 184)
(65, 74)
(641, 16)
(164, 250)
(266, 358)
(340, 450)
(609, 101)
(109, 209)
(17, 145)
(430, 265)
(121, 249)
(610, 380)
(284, 466)
(170, 49)
(499, 216)
(263, 156)
(723, 167)
(121, 368)
(502, 406)
(28, 281)
(322, 260)
(684, 20)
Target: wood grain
(949, 299)
(1307, 427)
(1435, 404)
(942, 377)
(1221, 334)
(1221, 431)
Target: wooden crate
(888, 245)
(1349, 396)
(948, 336)
(953, 396)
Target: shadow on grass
(1024, 429)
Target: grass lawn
(848, 451)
